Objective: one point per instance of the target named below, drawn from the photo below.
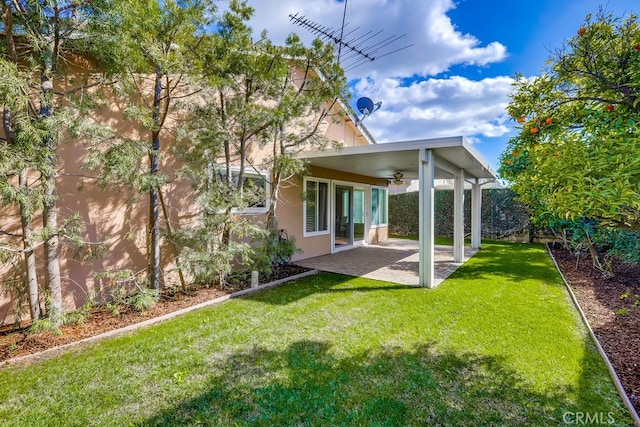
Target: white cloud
(416, 104)
(438, 107)
(436, 44)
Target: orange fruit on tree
(534, 130)
(549, 120)
(521, 119)
(610, 107)
(582, 31)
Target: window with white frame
(378, 206)
(316, 207)
(255, 191)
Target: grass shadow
(307, 384)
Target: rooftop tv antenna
(360, 48)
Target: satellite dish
(367, 107)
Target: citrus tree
(578, 154)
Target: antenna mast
(344, 16)
(361, 49)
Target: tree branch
(85, 87)
(625, 89)
(75, 5)
(6, 233)
(135, 82)
(186, 95)
(79, 175)
(20, 251)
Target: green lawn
(498, 343)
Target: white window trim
(267, 190)
(386, 193)
(306, 233)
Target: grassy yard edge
(55, 351)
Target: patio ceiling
(382, 160)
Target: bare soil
(16, 340)
(612, 307)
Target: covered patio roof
(425, 160)
(382, 160)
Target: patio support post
(426, 218)
(458, 217)
(476, 214)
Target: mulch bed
(612, 316)
(16, 341)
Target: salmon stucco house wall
(116, 218)
(339, 205)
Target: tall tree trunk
(154, 230)
(25, 216)
(276, 175)
(29, 255)
(51, 244)
(225, 239)
(226, 142)
(274, 190)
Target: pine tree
(39, 38)
(15, 107)
(253, 91)
(152, 47)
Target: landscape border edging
(612, 372)
(53, 351)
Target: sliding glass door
(359, 215)
(343, 218)
(349, 216)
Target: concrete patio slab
(394, 260)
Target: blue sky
(456, 78)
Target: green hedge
(502, 216)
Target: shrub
(127, 291)
(501, 214)
(277, 249)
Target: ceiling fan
(397, 178)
